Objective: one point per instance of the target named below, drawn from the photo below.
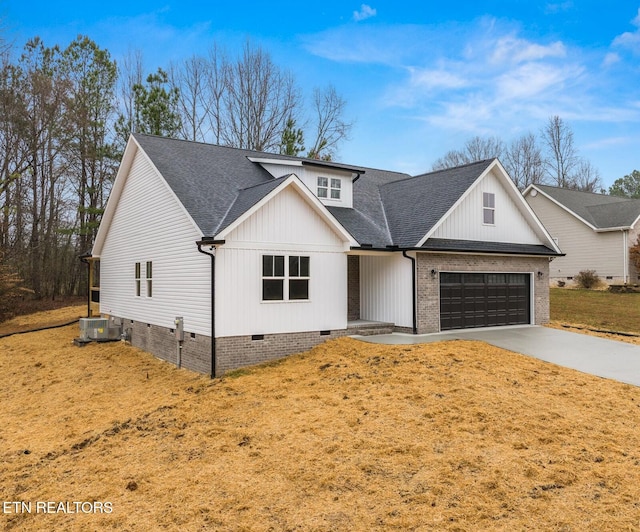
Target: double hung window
(488, 208)
(285, 277)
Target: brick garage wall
(162, 343)
(429, 287)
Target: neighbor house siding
(585, 249)
(466, 221)
(428, 285)
(149, 224)
(385, 289)
(285, 225)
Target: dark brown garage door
(470, 300)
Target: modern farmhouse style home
(216, 258)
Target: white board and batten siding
(385, 289)
(150, 224)
(285, 225)
(466, 221)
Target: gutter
(413, 291)
(392, 249)
(207, 241)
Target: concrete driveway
(598, 356)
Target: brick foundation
(231, 352)
(162, 343)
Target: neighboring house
(271, 254)
(595, 231)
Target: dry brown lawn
(349, 436)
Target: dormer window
(329, 188)
(335, 188)
(488, 208)
(323, 187)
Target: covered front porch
(379, 292)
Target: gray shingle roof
(217, 184)
(413, 206)
(600, 210)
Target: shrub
(634, 254)
(587, 279)
(561, 284)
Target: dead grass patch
(348, 436)
(45, 318)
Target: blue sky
(419, 78)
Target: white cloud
(365, 12)
(610, 59)
(534, 79)
(630, 39)
(436, 78)
(514, 50)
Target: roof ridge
(573, 190)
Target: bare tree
(130, 75)
(194, 102)
(562, 157)
(330, 125)
(587, 177)
(216, 85)
(259, 98)
(475, 149)
(523, 161)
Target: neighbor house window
(488, 208)
(149, 279)
(335, 188)
(137, 279)
(323, 187)
(285, 278)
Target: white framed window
(323, 187)
(272, 277)
(336, 185)
(137, 278)
(298, 277)
(149, 279)
(488, 208)
(285, 277)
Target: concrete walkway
(590, 354)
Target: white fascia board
(518, 197)
(454, 206)
(512, 191)
(292, 181)
(266, 160)
(131, 150)
(613, 229)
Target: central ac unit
(97, 329)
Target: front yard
(596, 308)
(349, 436)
